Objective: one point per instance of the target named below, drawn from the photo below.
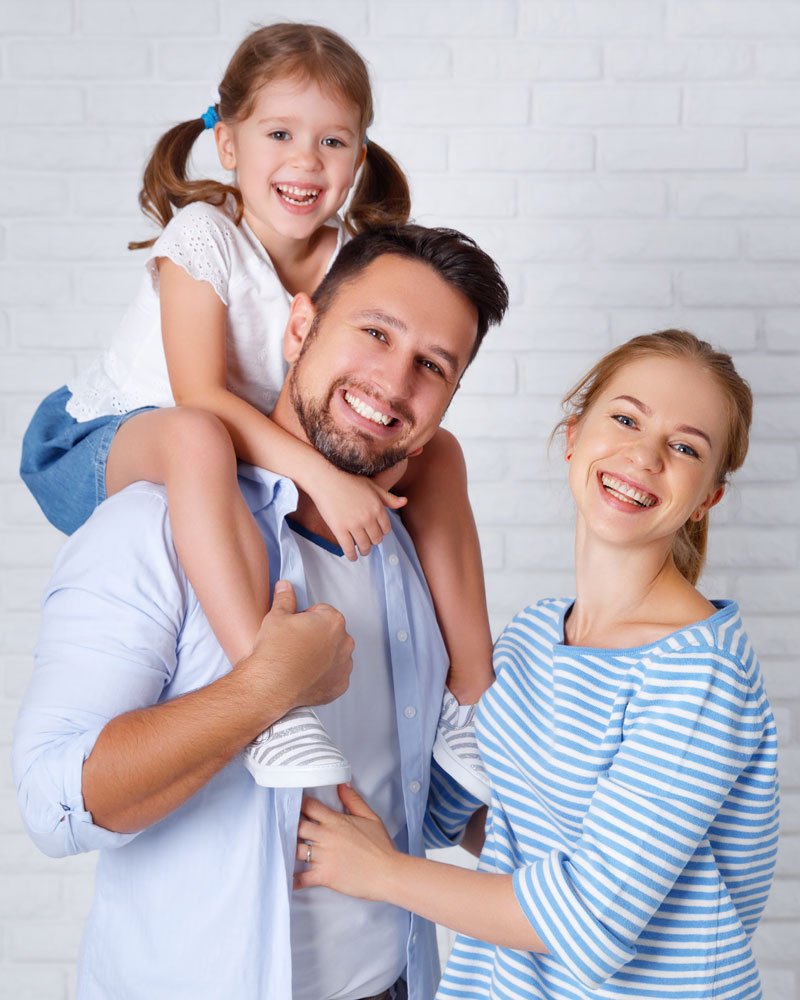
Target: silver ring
(308, 855)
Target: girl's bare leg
(439, 519)
(216, 537)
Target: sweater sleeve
(110, 621)
(690, 729)
(198, 239)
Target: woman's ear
(570, 437)
(223, 136)
(301, 318)
(710, 501)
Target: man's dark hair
(456, 258)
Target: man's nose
(395, 375)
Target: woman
(631, 839)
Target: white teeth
(302, 196)
(625, 492)
(364, 410)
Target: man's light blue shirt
(197, 906)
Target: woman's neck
(628, 596)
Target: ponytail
(689, 548)
(165, 185)
(381, 197)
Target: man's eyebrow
(381, 317)
(683, 428)
(387, 319)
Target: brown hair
(456, 258)
(689, 547)
(305, 52)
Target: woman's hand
(350, 853)
(354, 507)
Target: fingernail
(281, 585)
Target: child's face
(295, 157)
(646, 453)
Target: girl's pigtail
(165, 185)
(381, 196)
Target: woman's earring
(698, 515)
(569, 455)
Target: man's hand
(302, 658)
(149, 761)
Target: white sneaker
(456, 748)
(295, 752)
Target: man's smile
(368, 412)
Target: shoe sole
(297, 777)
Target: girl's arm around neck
(355, 855)
(193, 327)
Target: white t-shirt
(344, 948)
(207, 244)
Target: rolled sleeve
(450, 808)
(110, 620)
(549, 897)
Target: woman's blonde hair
(689, 547)
(304, 52)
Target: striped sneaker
(295, 752)
(456, 748)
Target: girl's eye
(332, 142)
(624, 419)
(280, 134)
(685, 449)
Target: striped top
(635, 799)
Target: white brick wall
(632, 164)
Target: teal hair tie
(210, 117)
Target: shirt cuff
(51, 801)
(552, 903)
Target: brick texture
(632, 164)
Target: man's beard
(353, 452)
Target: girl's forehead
(293, 87)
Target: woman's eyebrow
(683, 428)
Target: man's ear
(223, 136)
(301, 317)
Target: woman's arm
(354, 855)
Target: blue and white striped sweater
(636, 802)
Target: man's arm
(148, 762)
(97, 749)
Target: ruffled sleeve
(199, 239)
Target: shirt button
(409, 711)
(393, 560)
(402, 635)
(414, 786)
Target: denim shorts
(64, 461)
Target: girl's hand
(354, 507)
(350, 853)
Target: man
(128, 735)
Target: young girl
(632, 834)
(205, 333)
